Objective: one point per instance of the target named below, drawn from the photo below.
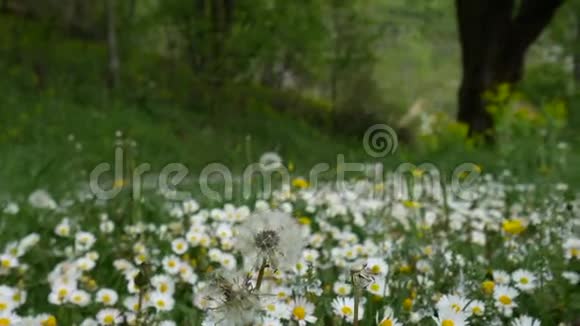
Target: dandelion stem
(139, 306)
(356, 299)
(260, 275)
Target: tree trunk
(494, 42)
(112, 45)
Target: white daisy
(63, 228)
(302, 311)
(108, 297)
(275, 308)
(524, 280)
(388, 318)
(270, 321)
(80, 298)
(228, 261)
(377, 266)
(452, 302)
(344, 308)
(8, 261)
(88, 322)
(342, 288)
(6, 304)
(9, 318)
(282, 292)
(171, 264)
(161, 301)
(501, 277)
(109, 316)
(476, 308)
(190, 206)
(450, 317)
(61, 292)
(505, 296)
(179, 246)
(84, 240)
(525, 321)
(572, 248)
(163, 284)
(378, 287)
(132, 303)
(85, 264)
(42, 199)
(572, 277)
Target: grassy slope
(36, 149)
(35, 125)
(35, 122)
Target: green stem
(260, 275)
(139, 305)
(356, 300)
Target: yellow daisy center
(505, 299)
(299, 312)
(476, 310)
(386, 322)
(109, 319)
(488, 287)
(3, 306)
(6, 263)
(405, 269)
(524, 280)
(447, 322)
(346, 310)
(456, 307)
(408, 304)
(106, 298)
(4, 322)
(17, 297)
(62, 293)
(375, 287)
(50, 321)
(163, 288)
(376, 269)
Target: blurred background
(205, 81)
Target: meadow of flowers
(509, 254)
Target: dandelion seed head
(267, 240)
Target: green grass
(36, 149)
(177, 119)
